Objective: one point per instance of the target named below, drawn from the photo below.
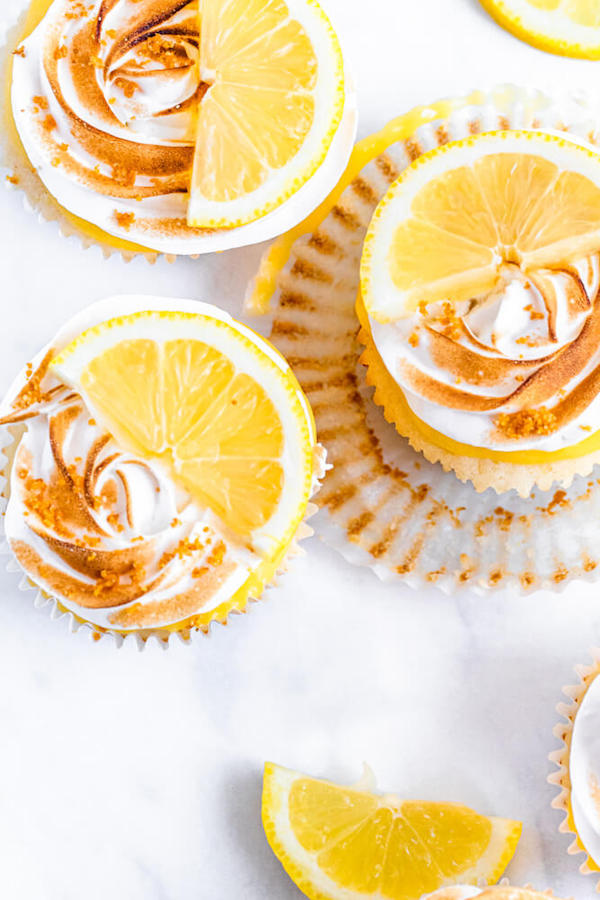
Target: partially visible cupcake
(499, 892)
(161, 465)
(480, 311)
(139, 130)
(578, 762)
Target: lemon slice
(273, 76)
(566, 27)
(214, 403)
(459, 213)
(340, 843)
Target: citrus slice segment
(566, 27)
(214, 403)
(341, 843)
(273, 79)
(456, 215)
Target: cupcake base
(383, 505)
(482, 472)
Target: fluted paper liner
(561, 758)
(9, 438)
(382, 504)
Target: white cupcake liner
(561, 779)
(9, 438)
(39, 201)
(383, 505)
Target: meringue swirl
(516, 369)
(105, 97)
(105, 100)
(106, 532)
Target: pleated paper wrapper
(382, 504)
(561, 778)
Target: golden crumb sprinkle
(414, 339)
(533, 313)
(20, 51)
(183, 549)
(13, 179)
(445, 322)
(124, 220)
(527, 423)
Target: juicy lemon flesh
(505, 207)
(262, 73)
(402, 852)
(371, 845)
(183, 401)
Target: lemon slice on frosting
(211, 401)
(455, 216)
(566, 27)
(273, 80)
(341, 843)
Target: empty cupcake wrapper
(561, 759)
(382, 504)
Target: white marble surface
(138, 776)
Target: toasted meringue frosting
(105, 96)
(109, 534)
(584, 771)
(517, 369)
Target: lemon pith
(565, 27)
(337, 842)
(274, 98)
(460, 212)
(209, 401)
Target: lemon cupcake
(137, 129)
(498, 892)
(480, 279)
(383, 505)
(160, 469)
(578, 762)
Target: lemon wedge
(342, 843)
(214, 403)
(273, 80)
(566, 27)
(456, 215)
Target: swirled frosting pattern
(584, 771)
(517, 369)
(105, 94)
(105, 97)
(106, 532)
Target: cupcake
(138, 130)
(480, 278)
(578, 766)
(499, 892)
(161, 462)
(383, 504)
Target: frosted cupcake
(146, 132)
(499, 892)
(160, 468)
(479, 305)
(578, 762)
